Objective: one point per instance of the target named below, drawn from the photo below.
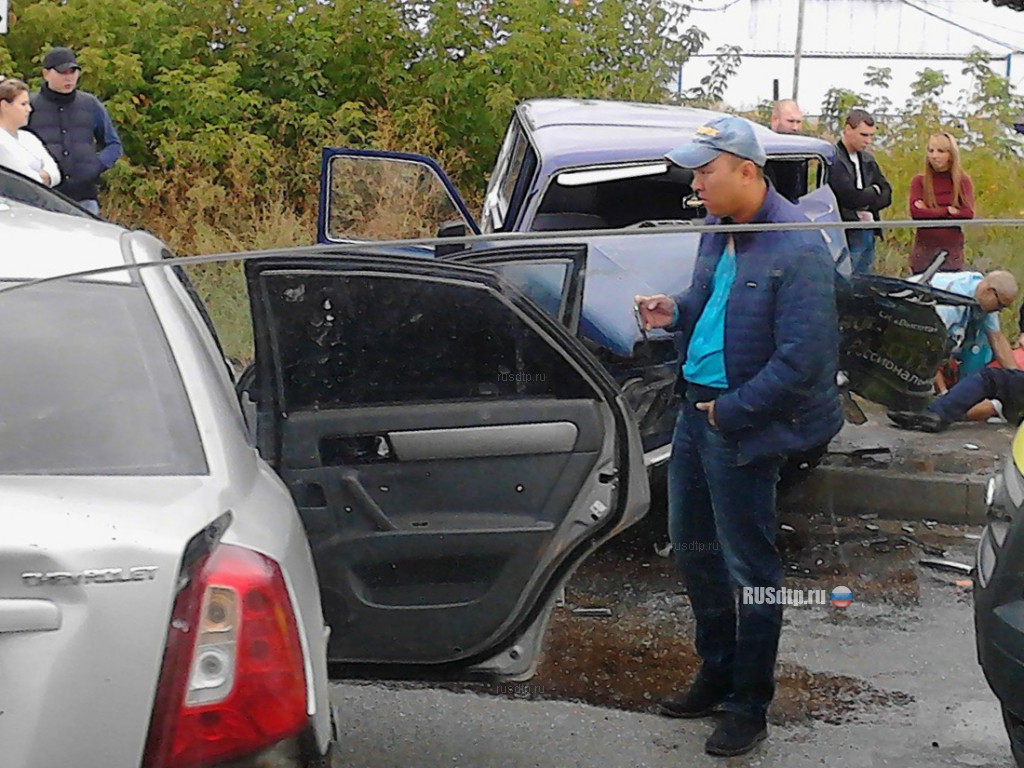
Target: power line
(954, 8)
(943, 19)
(727, 6)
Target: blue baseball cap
(724, 134)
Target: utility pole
(799, 48)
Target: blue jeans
(92, 206)
(722, 525)
(862, 250)
(1005, 385)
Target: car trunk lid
(88, 575)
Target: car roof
(621, 131)
(40, 244)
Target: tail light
(233, 678)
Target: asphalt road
(924, 650)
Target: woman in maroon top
(943, 191)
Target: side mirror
(454, 228)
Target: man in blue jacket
(758, 335)
(75, 127)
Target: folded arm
(845, 188)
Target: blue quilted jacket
(781, 335)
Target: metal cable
(574, 236)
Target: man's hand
(709, 406)
(656, 311)
(1001, 350)
(45, 178)
(919, 204)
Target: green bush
(224, 106)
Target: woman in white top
(21, 150)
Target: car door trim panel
(466, 442)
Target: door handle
(29, 616)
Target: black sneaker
(922, 421)
(736, 734)
(699, 701)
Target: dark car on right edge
(999, 593)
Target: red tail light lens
(233, 679)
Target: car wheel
(1015, 730)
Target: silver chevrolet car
(410, 464)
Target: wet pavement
(892, 680)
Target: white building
(842, 38)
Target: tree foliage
(225, 104)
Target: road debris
(592, 613)
(971, 447)
(951, 566)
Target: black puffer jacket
(78, 133)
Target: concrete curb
(891, 494)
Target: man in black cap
(75, 127)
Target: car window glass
(356, 340)
(493, 215)
(796, 177)
(542, 282)
(90, 385)
(508, 183)
(648, 193)
(374, 198)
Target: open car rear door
(453, 451)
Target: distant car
(999, 593)
(417, 458)
(570, 165)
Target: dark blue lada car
(598, 168)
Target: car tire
(1015, 730)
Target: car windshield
(89, 387)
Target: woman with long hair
(943, 191)
(21, 150)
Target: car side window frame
(515, 166)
